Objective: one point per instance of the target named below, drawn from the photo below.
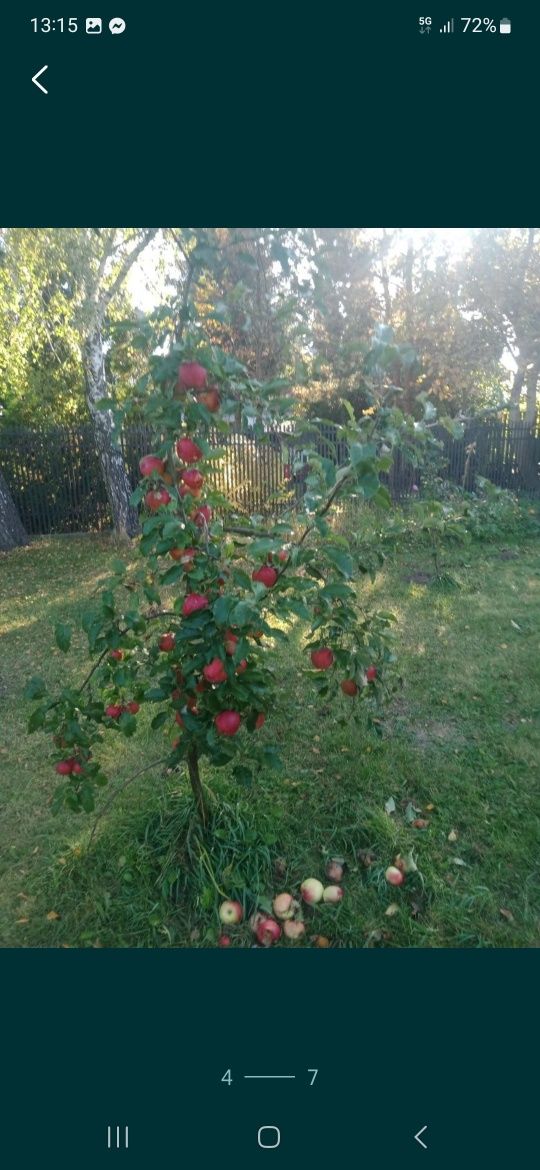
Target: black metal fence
(55, 478)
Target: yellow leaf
(391, 910)
(52, 916)
(453, 835)
(23, 921)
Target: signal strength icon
(448, 27)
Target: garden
(314, 724)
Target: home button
(268, 1137)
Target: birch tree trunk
(12, 532)
(117, 485)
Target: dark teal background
(242, 116)
(239, 115)
(401, 1040)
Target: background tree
(58, 287)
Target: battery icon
(505, 25)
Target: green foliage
(237, 620)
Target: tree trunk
(517, 387)
(117, 485)
(196, 785)
(532, 382)
(12, 533)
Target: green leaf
(369, 484)
(127, 723)
(342, 561)
(87, 798)
(172, 575)
(271, 758)
(37, 719)
(62, 634)
(222, 609)
(243, 775)
(35, 688)
(156, 695)
(159, 720)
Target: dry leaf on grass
(22, 921)
(391, 910)
(390, 805)
(53, 915)
(507, 914)
(453, 835)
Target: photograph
(269, 587)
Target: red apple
(231, 642)
(194, 602)
(63, 767)
(349, 687)
(311, 890)
(215, 671)
(202, 515)
(260, 720)
(116, 655)
(185, 555)
(227, 722)
(114, 711)
(322, 659)
(268, 932)
(133, 707)
(150, 463)
(371, 673)
(242, 666)
(192, 376)
(283, 555)
(266, 575)
(188, 451)
(210, 398)
(231, 913)
(394, 876)
(192, 479)
(166, 643)
(158, 499)
(223, 941)
(184, 491)
(76, 767)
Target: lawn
(459, 749)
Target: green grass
(461, 734)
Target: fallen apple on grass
(283, 906)
(293, 930)
(394, 876)
(312, 891)
(332, 894)
(230, 913)
(268, 932)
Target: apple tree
(192, 632)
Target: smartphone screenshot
(269, 589)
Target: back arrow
(418, 1139)
(38, 83)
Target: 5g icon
(424, 24)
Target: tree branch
(107, 295)
(117, 791)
